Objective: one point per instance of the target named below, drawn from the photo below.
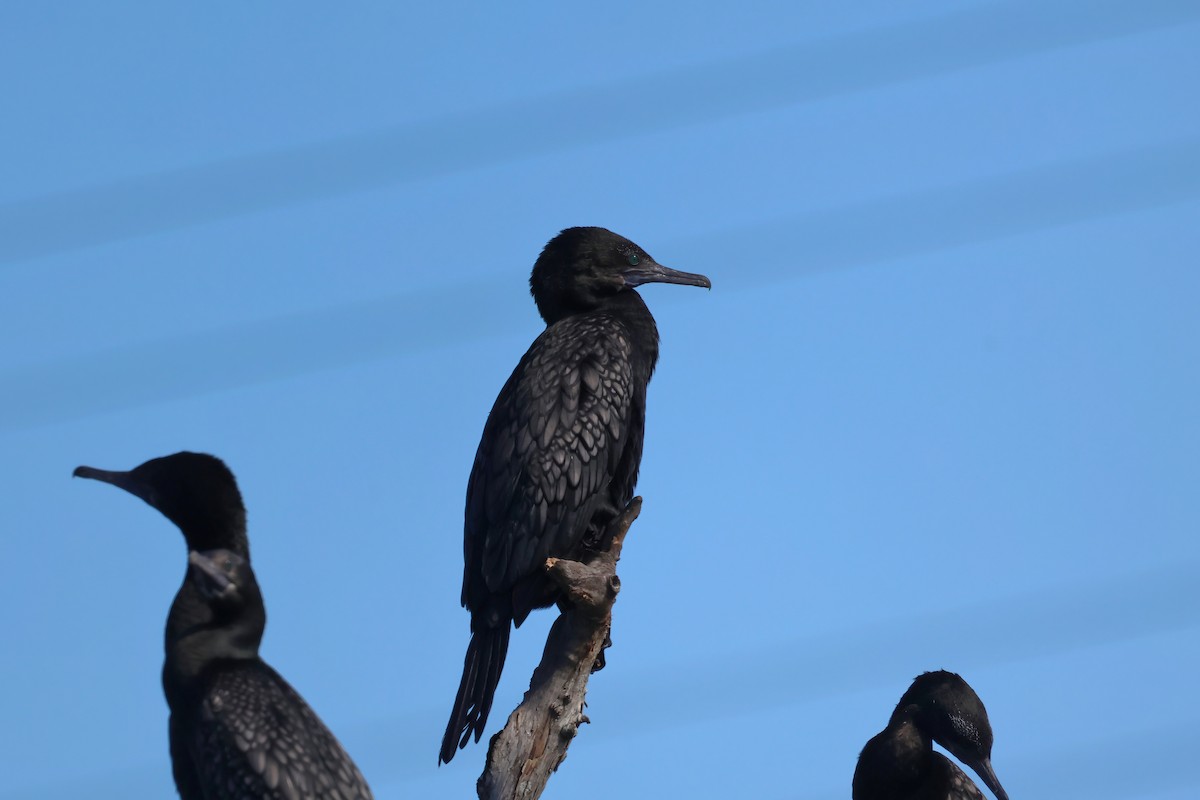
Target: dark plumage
(560, 451)
(238, 731)
(900, 763)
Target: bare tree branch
(534, 741)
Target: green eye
(633, 259)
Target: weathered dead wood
(534, 741)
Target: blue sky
(938, 411)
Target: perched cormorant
(900, 763)
(561, 447)
(238, 731)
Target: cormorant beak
(122, 480)
(984, 769)
(651, 272)
(216, 581)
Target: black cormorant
(900, 763)
(238, 731)
(560, 450)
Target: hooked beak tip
(103, 475)
(122, 480)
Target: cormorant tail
(481, 674)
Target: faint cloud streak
(837, 238)
(979, 35)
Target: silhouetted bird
(900, 763)
(238, 731)
(560, 451)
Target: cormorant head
(196, 491)
(946, 709)
(582, 267)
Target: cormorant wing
(551, 445)
(256, 738)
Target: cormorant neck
(564, 305)
(908, 751)
(626, 302)
(197, 634)
(630, 308)
(226, 532)
(561, 308)
(894, 763)
(906, 727)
